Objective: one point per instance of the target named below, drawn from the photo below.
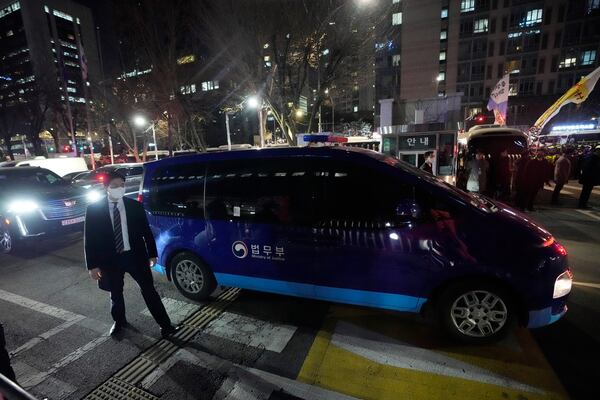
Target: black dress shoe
(169, 331)
(117, 328)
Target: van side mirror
(408, 210)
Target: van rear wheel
(192, 277)
(476, 312)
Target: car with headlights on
(36, 202)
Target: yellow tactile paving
(372, 354)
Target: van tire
(476, 312)
(191, 276)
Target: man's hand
(95, 273)
(152, 262)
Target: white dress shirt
(121, 208)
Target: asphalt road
(244, 344)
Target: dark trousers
(586, 192)
(143, 277)
(5, 368)
(556, 192)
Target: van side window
(358, 195)
(274, 191)
(178, 191)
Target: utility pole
(227, 113)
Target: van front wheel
(192, 277)
(476, 313)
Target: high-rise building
(42, 44)
(430, 48)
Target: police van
(353, 226)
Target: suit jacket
(100, 251)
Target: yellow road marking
(334, 368)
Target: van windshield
(478, 201)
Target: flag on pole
(499, 101)
(577, 94)
(83, 63)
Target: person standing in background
(562, 172)
(589, 177)
(478, 171)
(427, 166)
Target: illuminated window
(568, 62)
(467, 5)
(397, 18)
(71, 89)
(9, 33)
(186, 59)
(441, 77)
(533, 17)
(444, 13)
(62, 15)
(355, 108)
(480, 25)
(513, 89)
(513, 66)
(395, 1)
(442, 56)
(188, 89)
(395, 60)
(9, 9)
(588, 57)
(210, 85)
(444, 35)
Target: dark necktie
(118, 231)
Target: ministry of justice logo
(239, 249)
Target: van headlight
(563, 284)
(22, 206)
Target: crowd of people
(519, 178)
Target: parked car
(353, 226)
(95, 179)
(60, 165)
(37, 203)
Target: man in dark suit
(118, 239)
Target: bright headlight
(93, 196)
(22, 206)
(562, 286)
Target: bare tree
(286, 50)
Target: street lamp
(256, 102)
(253, 102)
(141, 122)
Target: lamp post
(256, 102)
(140, 121)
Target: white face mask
(116, 193)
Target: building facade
(42, 44)
(430, 48)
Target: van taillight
(140, 198)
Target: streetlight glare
(253, 102)
(299, 113)
(140, 121)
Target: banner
(83, 63)
(499, 101)
(577, 94)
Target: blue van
(352, 226)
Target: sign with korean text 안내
(416, 142)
